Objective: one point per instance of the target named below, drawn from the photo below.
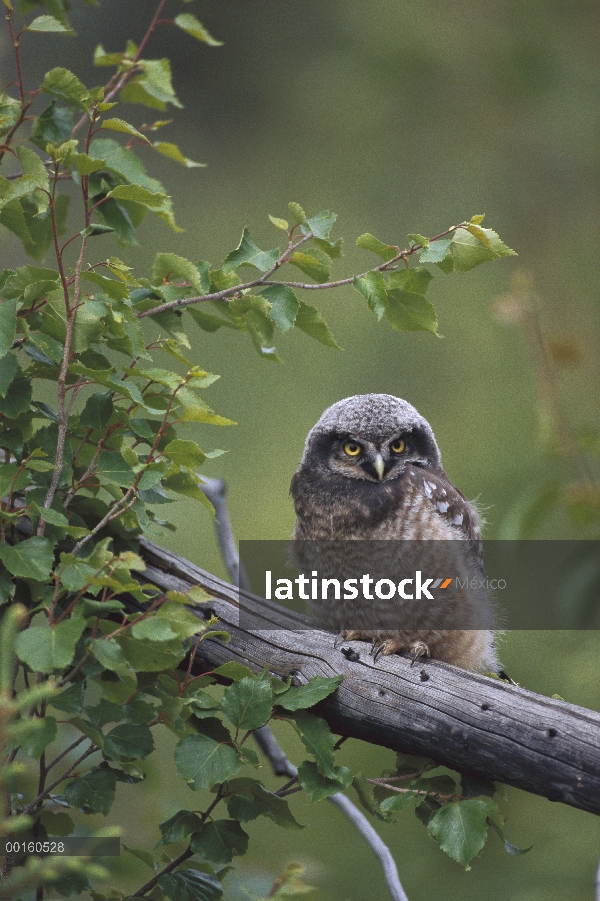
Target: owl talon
(377, 648)
(417, 650)
(503, 675)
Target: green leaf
(370, 242)
(18, 399)
(34, 734)
(29, 559)
(332, 249)
(97, 411)
(128, 742)
(397, 802)
(190, 885)
(279, 223)
(48, 648)
(209, 322)
(53, 126)
(181, 620)
(252, 799)
(124, 127)
(284, 305)
(192, 26)
(298, 213)
(233, 670)
(113, 468)
(203, 762)
(168, 267)
(372, 288)
(102, 58)
(310, 321)
(321, 224)
(94, 792)
(178, 826)
(153, 86)
(364, 790)
(155, 629)
(10, 111)
(435, 251)
(142, 855)
(184, 453)
(173, 152)
(468, 250)
(220, 841)
(63, 85)
(48, 23)
(315, 269)
(318, 740)
(70, 699)
(248, 703)
(8, 472)
(247, 253)
(35, 229)
(419, 239)
(150, 656)
(408, 309)
(460, 829)
(480, 234)
(34, 168)
(118, 219)
(299, 697)
(16, 189)
(49, 347)
(85, 165)
(47, 513)
(154, 201)
(186, 484)
(318, 786)
(8, 325)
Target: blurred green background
(401, 118)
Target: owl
(371, 473)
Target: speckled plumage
(384, 495)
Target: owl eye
(352, 448)
(397, 446)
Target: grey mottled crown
(375, 417)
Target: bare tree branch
(469, 722)
(215, 489)
(283, 767)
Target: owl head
(370, 437)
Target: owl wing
(449, 505)
(447, 501)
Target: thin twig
(183, 856)
(36, 801)
(263, 280)
(168, 869)
(64, 753)
(265, 738)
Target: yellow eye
(397, 446)
(352, 448)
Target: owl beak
(379, 466)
